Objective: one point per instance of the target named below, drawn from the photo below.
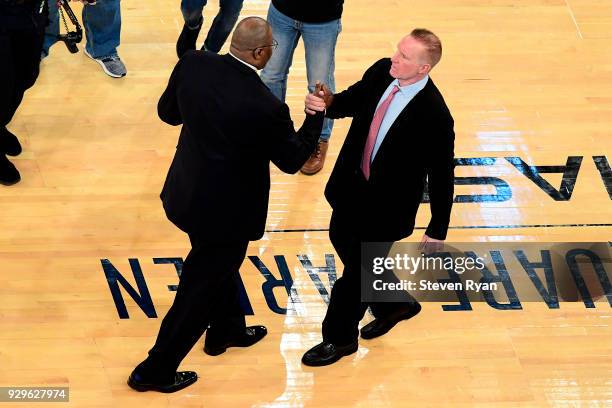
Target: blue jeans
(222, 25)
(102, 23)
(320, 46)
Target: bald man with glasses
(217, 192)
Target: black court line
(470, 227)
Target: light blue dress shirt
(399, 102)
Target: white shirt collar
(245, 63)
(415, 87)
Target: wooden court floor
(527, 81)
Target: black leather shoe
(9, 144)
(187, 39)
(378, 327)
(182, 379)
(9, 174)
(327, 353)
(252, 334)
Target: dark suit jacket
(233, 126)
(418, 146)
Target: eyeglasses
(274, 45)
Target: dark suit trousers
(20, 55)
(207, 294)
(346, 309)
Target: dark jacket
(418, 146)
(219, 180)
(23, 15)
(310, 11)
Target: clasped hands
(319, 100)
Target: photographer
(102, 23)
(22, 29)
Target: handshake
(319, 100)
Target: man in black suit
(217, 192)
(22, 28)
(401, 135)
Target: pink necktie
(374, 128)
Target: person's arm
(347, 103)
(291, 149)
(167, 107)
(441, 179)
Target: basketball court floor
(529, 83)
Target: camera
(71, 38)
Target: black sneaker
(9, 144)
(9, 174)
(187, 39)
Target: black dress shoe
(378, 327)
(9, 144)
(9, 174)
(327, 353)
(213, 346)
(187, 39)
(182, 379)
